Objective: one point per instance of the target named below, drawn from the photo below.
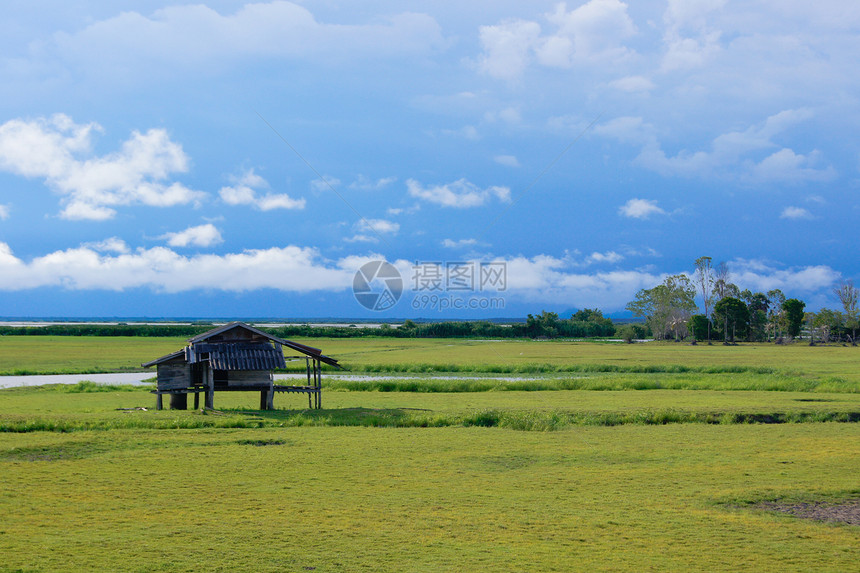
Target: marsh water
(39, 380)
(136, 378)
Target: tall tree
(827, 322)
(734, 315)
(588, 315)
(793, 316)
(544, 324)
(776, 315)
(848, 295)
(721, 281)
(758, 304)
(700, 326)
(667, 307)
(705, 282)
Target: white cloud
(360, 238)
(59, 150)
(795, 213)
(509, 115)
(111, 245)
(183, 36)
(594, 30)
(627, 129)
(200, 236)
(371, 230)
(243, 192)
(507, 160)
(746, 156)
(507, 48)
(279, 201)
(378, 225)
(548, 280)
(394, 211)
(326, 183)
(643, 251)
(788, 166)
(545, 279)
(452, 244)
(460, 194)
(469, 132)
(607, 257)
(542, 279)
(762, 276)
(632, 84)
(689, 38)
(4, 212)
(640, 209)
(163, 270)
(590, 34)
(364, 183)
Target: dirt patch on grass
(847, 511)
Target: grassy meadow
(86, 354)
(464, 455)
(445, 499)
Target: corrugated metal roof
(303, 348)
(229, 353)
(241, 325)
(166, 358)
(245, 357)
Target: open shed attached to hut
(234, 357)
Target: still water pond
(139, 377)
(38, 380)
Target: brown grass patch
(847, 511)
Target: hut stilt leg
(159, 403)
(197, 400)
(210, 389)
(179, 401)
(318, 383)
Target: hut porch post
(318, 383)
(178, 401)
(267, 396)
(310, 396)
(210, 387)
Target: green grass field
(596, 457)
(57, 409)
(48, 354)
(80, 354)
(442, 499)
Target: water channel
(137, 378)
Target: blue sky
(215, 159)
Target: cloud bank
(460, 194)
(543, 279)
(59, 151)
(245, 192)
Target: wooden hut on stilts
(235, 357)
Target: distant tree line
(669, 311)
(731, 314)
(586, 323)
(145, 330)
